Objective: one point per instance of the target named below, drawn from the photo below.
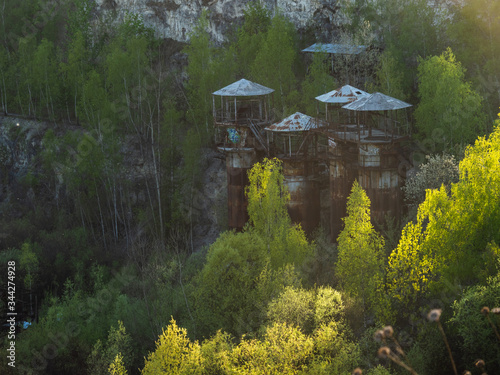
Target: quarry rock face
(176, 19)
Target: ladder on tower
(307, 129)
(256, 132)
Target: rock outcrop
(175, 19)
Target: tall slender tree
(209, 68)
(251, 35)
(360, 261)
(268, 215)
(273, 64)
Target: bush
(307, 309)
(477, 338)
(441, 169)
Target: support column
(238, 163)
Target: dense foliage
(104, 216)
(449, 110)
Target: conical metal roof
(243, 87)
(343, 95)
(297, 122)
(377, 102)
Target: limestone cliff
(175, 19)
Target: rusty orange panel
(384, 202)
(343, 172)
(381, 181)
(304, 205)
(238, 163)
(341, 180)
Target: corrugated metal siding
(304, 205)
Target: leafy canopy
(273, 64)
(269, 218)
(225, 292)
(359, 266)
(450, 243)
(174, 354)
(449, 109)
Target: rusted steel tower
(364, 144)
(378, 157)
(293, 142)
(342, 154)
(241, 111)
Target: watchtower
(241, 111)
(292, 140)
(364, 133)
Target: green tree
(79, 20)
(356, 13)
(317, 81)
(294, 307)
(4, 78)
(94, 100)
(360, 262)
(209, 68)
(273, 64)
(73, 323)
(174, 353)
(171, 131)
(355, 68)
(410, 269)
(334, 350)
(409, 29)
(477, 338)
(389, 76)
(272, 282)
(18, 21)
(267, 198)
(251, 34)
(75, 70)
(28, 262)
(45, 77)
(125, 79)
(268, 216)
(306, 309)
(328, 307)
(214, 352)
(192, 154)
(450, 243)
(103, 355)
(474, 34)
(447, 103)
(283, 350)
(117, 367)
(226, 286)
(25, 76)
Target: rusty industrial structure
(364, 137)
(355, 136)
(241, 111)
(293, 141)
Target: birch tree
(273, 64)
